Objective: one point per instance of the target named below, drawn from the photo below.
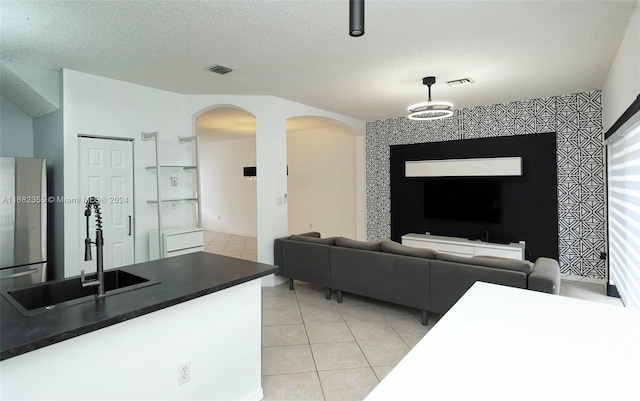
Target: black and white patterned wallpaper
(576, 118)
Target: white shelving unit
(482, 167)
(463, 246)
(176, 241)
(165, 242)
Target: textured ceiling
(301, 50)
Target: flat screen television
(466, 199)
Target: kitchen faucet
(99, 280)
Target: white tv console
(463, 246)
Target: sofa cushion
(314, 240)
(489, 261)
(351, 243)
(389, 246)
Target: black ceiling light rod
(356, 18)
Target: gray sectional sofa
(419, 278)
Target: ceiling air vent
(220, 69)
(460, 81)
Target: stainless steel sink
(53, 295)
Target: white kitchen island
(502, 343)
(203, 314)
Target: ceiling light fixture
(356, 18)
(430, 110)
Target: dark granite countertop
(182, 278)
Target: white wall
(16, 131)
(228, 199)
(622, 84)
(321, 181)
(271, 143)
(105, 107)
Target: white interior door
(106, 172)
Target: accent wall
(577, 120)
(525, 207)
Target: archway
(229, 202)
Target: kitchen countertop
(502, 343)
(182, 278)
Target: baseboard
(272, 280)
(582, 279)
(612, 291)
(243, 234)
(257, 395)
(593, 280)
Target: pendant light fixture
(430, 110)
(356, 18)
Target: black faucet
(99, 280)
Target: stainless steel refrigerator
(23, 221)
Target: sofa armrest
(306, 261)
(277, 253)
(277, 249)
(545, 276)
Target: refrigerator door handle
(21, 274)
(129, 225)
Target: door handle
(16, 275)
(129, 225)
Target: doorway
(227, 137)
(106, 172)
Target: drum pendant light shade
(356, 18)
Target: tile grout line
(360, 347)
(304, 324)
(402, 338)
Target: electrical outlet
(184, 373)
(310, 225)
(174, 181)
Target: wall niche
(528, 203)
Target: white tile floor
(237, 246)
(317, 349)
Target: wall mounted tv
(467, 199)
